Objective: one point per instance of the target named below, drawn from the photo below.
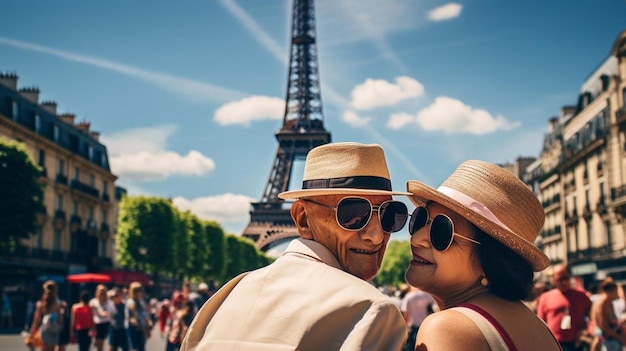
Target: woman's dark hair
(84, 297)
(510, 276)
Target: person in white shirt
(101, 308)
(415, 306)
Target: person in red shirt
(81, 322)
(164, 315)
(564, 309)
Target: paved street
(14, 342)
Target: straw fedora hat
(494, 200)
(344, 168)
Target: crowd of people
(470, 282)
(111, 319)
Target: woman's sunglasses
(441, 233)
(354, 213)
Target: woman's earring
(484, 281)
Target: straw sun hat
(344, 168)
(494, 200)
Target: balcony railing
(87, 189)
(61, 179)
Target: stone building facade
(76, 224)
(580, 176)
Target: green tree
(234, 264)
(20, 193)
(199, 251)
(145, 233)
(180, 247)
(396, 261)
(217, 245)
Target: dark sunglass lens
(418, 219)
(393, 215)
(441, 232)
(353, 213)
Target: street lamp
(143, 251)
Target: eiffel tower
(302, 130)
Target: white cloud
(355, 120)
(254, 108)
(445, 12)
(399, 120)
(453, 116)
(378, 92)
(225, 208)
(140, 155)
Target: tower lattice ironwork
(302, 130)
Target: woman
(101, 308)
(81, 322)
(138, 317)
(472, 245)
(48, 318)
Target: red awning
(88, 278)
(124, 278)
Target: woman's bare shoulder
(449, 330)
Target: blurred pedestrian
(180, 323)
(7, 312)
(415, 306)
(101, 308)
(606, 328)
(565, 310)
(118, 335)
(139, 326)
(48, 317)
(164, 316)
(81, 322)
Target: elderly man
(316, 295)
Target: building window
(56, 244)
(61, 167)
(90, 152)
(56, 133)
(90, 215)
(60, 202)
(105, 187)
(37, 124)
(607, 232)
(15, 110)
(103, 248)
(92, 181)
(104, 214)
(76, 173)
(589, 235)
(37, 238)
(41, 159)
(75, 208)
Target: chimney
(9, 80)
(31, 94)
(552, 124)
(68, 118)
(95, 135)
(50, 106)
(83, 125)
(567, 110)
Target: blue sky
(187, 95)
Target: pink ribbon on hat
(468, 201)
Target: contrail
(189, 89)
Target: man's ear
(299, 216)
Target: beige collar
(313, 250)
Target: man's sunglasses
(354, 213)
(441, 233)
